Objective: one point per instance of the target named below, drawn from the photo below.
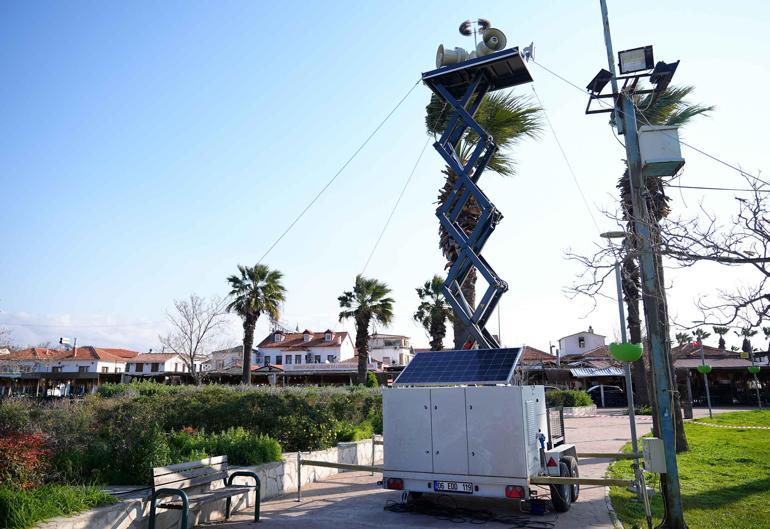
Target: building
(41, 371)
(281, 348)
(534, 364)
(390, 349)
(580, 343)
(162, 367)
(224, 359)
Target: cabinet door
(450, 435)
(406, 429)
(495, 432)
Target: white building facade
(580, 342)
(390, 349)
(281, 348)
(227, 358)
(159, 364)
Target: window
(267, 360)
(56, 369)
(220, 364)
(317, 359)
(328, 337)
(279, 359)
(581, 342)
(118, 369)
(176, 367)
(105, 370)
(139, 367)
(82, 369)
(288, 359)
(154, 367)
(331, 358)
(307, 337)
(386, 360)
(297, 359)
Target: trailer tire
(575, 473)
(561, 495)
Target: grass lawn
(725, 477)
(22, 509)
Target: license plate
(459, 487)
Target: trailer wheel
(573, 467)
(561, 495)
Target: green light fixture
(704, 369)
(753, 369)
(626, 352)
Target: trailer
(453, 423)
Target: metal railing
(376, 441)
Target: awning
(587, 372)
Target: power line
(696, 149)
(566, 160)
(330, 182)
(721, 188)
(395, 206)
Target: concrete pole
(629, 383)
(705, 378)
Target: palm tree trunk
(630, 286)
(468, 289)
(362, 347)
(248, 342)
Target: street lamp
(640, 483)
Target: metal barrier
(376, 441)
(559, 480)
(611, 455)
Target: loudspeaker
(446, 57)
(492, 40)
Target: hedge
(568, 398)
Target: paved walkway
(353, 499)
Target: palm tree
(701, 335)
(508, 119)
(367, 303)
(766, 331)
(254, 290)
(683, 338)
(669, 108)
(746, 333)
(721, 331)
(433, 311)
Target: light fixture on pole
(635, 60)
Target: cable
(696, 149)
(720, 189)
(395, 206)
(330, 182)
(566, 160)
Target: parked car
(608, 396)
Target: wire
(720, 189)
(696, 149)
(566, 160)
(395, 206)
(331, 181)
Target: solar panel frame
(464, 366)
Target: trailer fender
(553, 457)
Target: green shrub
(22, 509)
(567, 398)
(371, 380)
(347, 432)
(239, 445)
(24, 459)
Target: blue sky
(147, 148)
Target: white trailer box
(479, 440)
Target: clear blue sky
(147, 148)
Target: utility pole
(705, 377)
(653, 295)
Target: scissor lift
(463, 86)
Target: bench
(176, 480)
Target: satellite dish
(492, 40)
(445, 57)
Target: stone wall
(580, 411)
(276, 478)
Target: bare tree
(6, 340)
(195, 323)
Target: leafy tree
(433, 311)
(367, 303)
(721, 331)
(766, 330)
(508, 119)
(669, 108)
(254, 291)
(371, 380)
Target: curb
(616, 523)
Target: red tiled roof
(716, 363)
(123, 353)
(295, 341)
(86, 352)
(689, 350)
(152, 357)
(532, 354)
(36, 353)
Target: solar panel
(471, 366)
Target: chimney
(590, 329)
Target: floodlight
(635, 60)
(613, 235)
(662, 74)
(599, 81)
(64, 341)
